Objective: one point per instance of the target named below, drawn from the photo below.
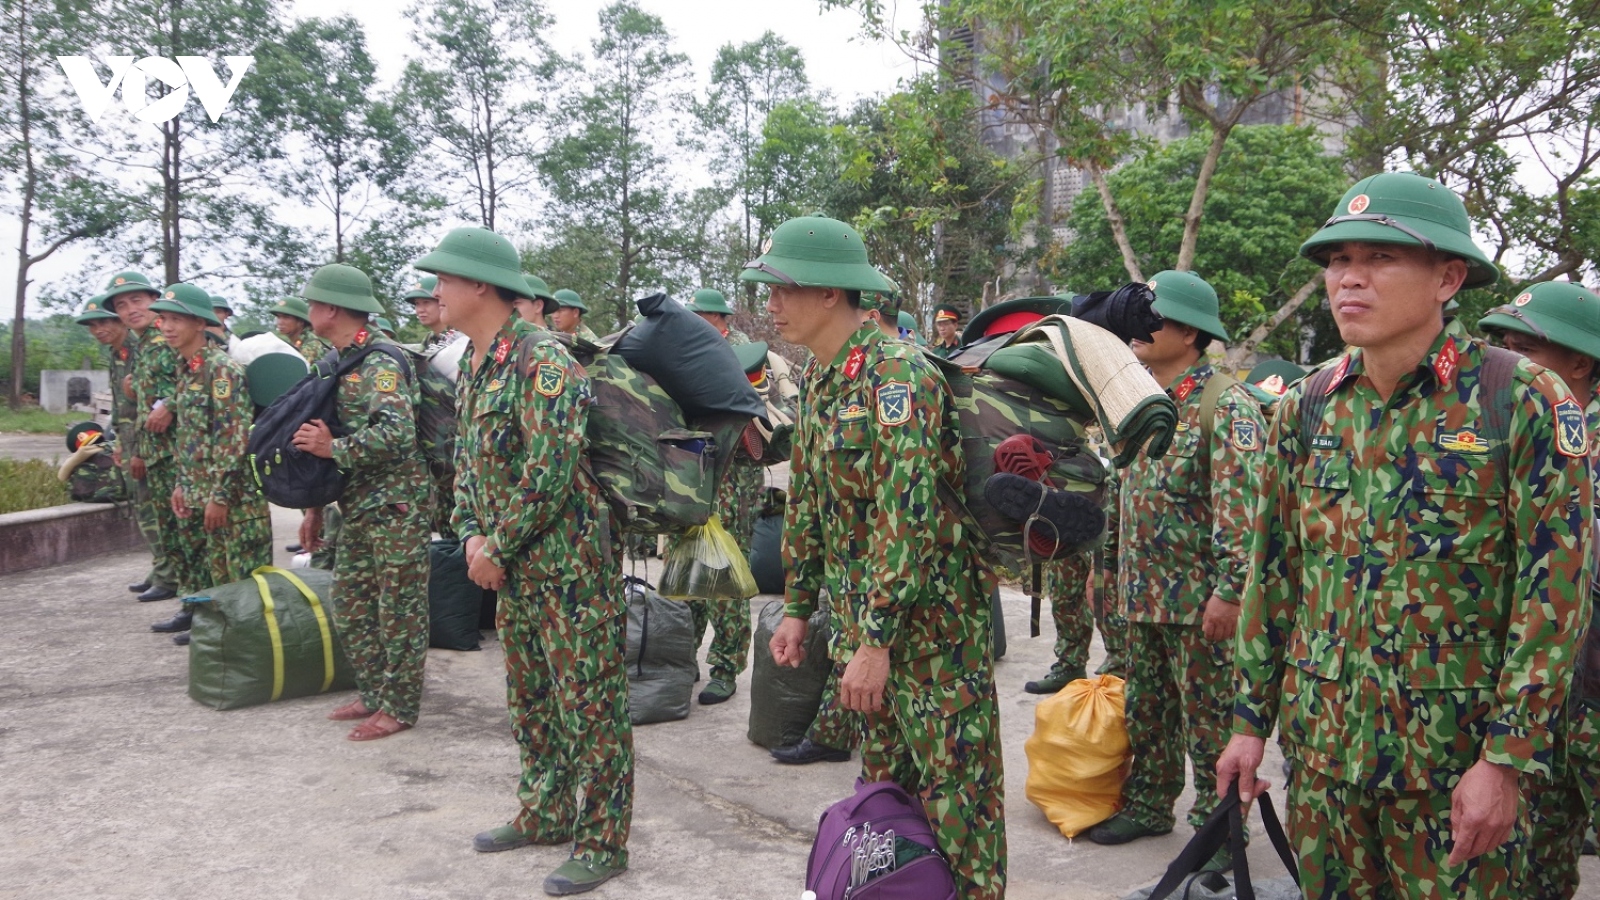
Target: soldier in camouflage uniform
(380, 580)
(226, 532)
(1419, 572)
(537, 531)
(437, 422)
(569, 313)
(1557, 325)
(294, 326)
(1185, 544)
(911, 613)
(535, 304)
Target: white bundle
(247, 350)
(447, 359)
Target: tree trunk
(1237, 354)
(1197, 201)
(1119, 226)
(19, 339)
(172, 173)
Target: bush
(29, 484)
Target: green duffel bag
(455, 604)
(267, 638)
(784, 700)
(659, 657)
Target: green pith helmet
(384, 325)
(565, 297)
(220, 302)
(93, 310)
(122, 283)
(907, 321)
(188, 300)
(813, 251)
(477, 254)
(421, 289)
(1013, 315)
(1186, 298)
(536, 288)
(293, 306)
(1404, 208)
(709, 300)
(752, 356)
(346, 287)
(1563, 313)
(272, 374)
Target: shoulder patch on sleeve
(894, 403)
(221, 389)
(549, 379)
(1572, 434)
(1245, 434)
(386, 382)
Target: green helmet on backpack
(813, 251)
(1561, 312)
(1404, 208)
(1187, 299)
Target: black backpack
(288, 476)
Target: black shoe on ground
(718, 691)
(1122, 828)
(293, 548)
(808, 751)
(140, 587)
(181, 639)
(180, 622)
(157, 593)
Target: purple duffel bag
(877, 845)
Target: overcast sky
(838, 60)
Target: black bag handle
(1226, 826)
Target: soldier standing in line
(569, 313)
(1420, 570)
(537, 531)
(911, 602)
(1557, 325)
(223, 310)
(380, 580)
(294, 326)
(441, 454)
(420, 293)
(1185, 545)
(535, 304)
(149, 452)
(946, 330)
(227, 533)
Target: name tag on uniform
(1326, 442)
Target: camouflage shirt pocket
(1454, 510)
(1452, 666)
(1324, 489)
(495, 425)
(849, 461)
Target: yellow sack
(707, 564)
(1078, 754)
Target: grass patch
(33, 420)
(29, 484)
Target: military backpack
(97, 480)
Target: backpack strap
(1494, 398)
(1215, 385)
(1314, 398)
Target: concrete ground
(116, 785)
(50, 447)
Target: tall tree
(478, 91)
(607, 170)
(56, 196)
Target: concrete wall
(58, 392)
(60, 534)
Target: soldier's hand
(311, 530)
(866, 677)
(116, 458)
(136, 468)
(176, 502)
(788, 644)
(314, 438)
(1240, 759)
(486, 574)
(216, 516)
(159, 420)
(127, 387)
(1220, 621)
(1483, 807)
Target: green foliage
(29, 484)
(1272, 188)
(33, 420)
(56, 342)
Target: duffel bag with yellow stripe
(269, 637)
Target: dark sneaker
(717, 691)
(140, 587)
(506, 837)
(181, 639)
(1054, 520)
(1057, 678)
(1122, 828)
(576, 876)
(809, 751)
(180, 622)
(157, 593)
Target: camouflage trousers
(326, 557)
(380, 601)
(182, 540)
(1179, 698)
(737, 501)
(1356, 844)
(231, 552)
(162, 571)
(1561, 813)
(834, 725)
(952, 761)
(1066, 584)
(567, 692)
(442, 501)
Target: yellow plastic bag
(1078, 754)
(706, 564)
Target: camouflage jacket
(1411, 608)
(1185, 518)
(1583, 732)
(310, 346)
(212, 432)
(155, 373)
(586, 333)
(518, 479)
(123, 411)
(377, 410)
(876, 431)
